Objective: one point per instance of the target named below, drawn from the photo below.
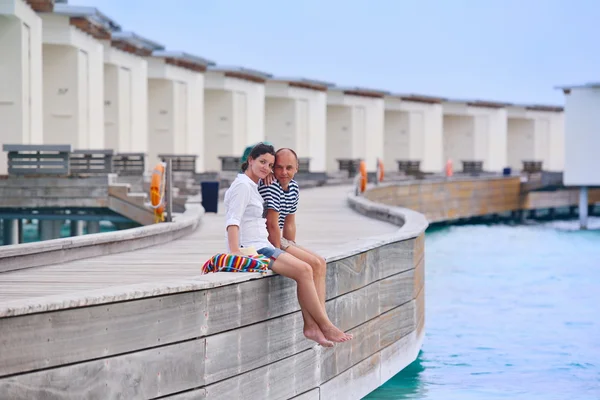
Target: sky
(514, 51)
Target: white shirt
(245, 208)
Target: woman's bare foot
(316, 335)
(335, 335)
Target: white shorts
(286, 243)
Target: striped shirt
(284, 202)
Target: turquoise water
(513, 312)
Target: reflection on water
(31, 230)
(513, 312)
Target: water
(31, 233)
(513, 312)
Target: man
(281, 202)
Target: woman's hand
(269, 179)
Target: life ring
(157, 191)
(363, 176)
(380, 172)
(449, 168)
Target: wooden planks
(140, 375)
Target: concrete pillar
(583, 207)
(93, 227)
(50, 229)
(11, 231)
(76, 228)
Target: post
(169, 190)
(12, 233)
(583, 207)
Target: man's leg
(318, 265)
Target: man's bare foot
(316, 335)
(335, 335)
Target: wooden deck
(325, 224)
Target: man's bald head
(286, 166)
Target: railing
(349, 164)
(230, 163)
(532, 167)
(91, 162)
(472, 167)
(24, 159)
(409, 167)
(129, 163)
(303, 164)
(180, 163)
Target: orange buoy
(449, 168)
(380, 173)
(157, 191)
(363, 176)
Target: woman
(246, 227)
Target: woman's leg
(291, 267)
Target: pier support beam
(93, 227)
(583, 207)
(49, 229)
(76, 228)
(11, 231)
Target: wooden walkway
(325, 224)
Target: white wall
(280, 122)
(475, 134)
(20, 76)
(296, 118)
(520, 142)
(175, 112)
(339, 135)
(73, 65)
(366, 133)
(218, 127)
(423, 137)
(458, 139)
(243, 103)
(125, 101)
(397, 138)
(582, 138)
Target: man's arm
(273, 228)
(289, 228)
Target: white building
(73, 65)
(126, 92)
(535, 133)
(355, 126)
(582, 135)
(475, 131)
(234, 112)
(175, 105)
(413, 131)
(20, 73)
(296, 117)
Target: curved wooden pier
(145, 324)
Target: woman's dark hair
(258, 151)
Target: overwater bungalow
(413, 132)
(234, 112)
(296, 117)
(73, 65)
(355, 121)
(475, 132)
(175, 104)
(21, 73)
(535, 134)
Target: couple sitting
(248, 202)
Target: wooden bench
(472, 167)
(91, 162)
(37, 159)
(230, 163)
(532, 167)
(349, 164)
(409, 167)
(180, 162)
(130, 164)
